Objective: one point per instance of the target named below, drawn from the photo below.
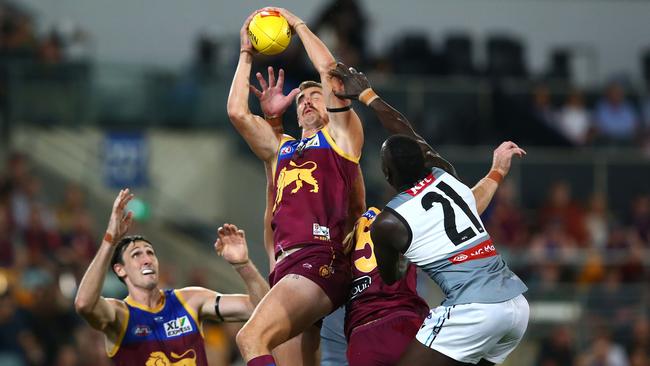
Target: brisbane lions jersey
(371, 298)
(312, 179)
(449, 242)
(167, 335)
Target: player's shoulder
(391, 228)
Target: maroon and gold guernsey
(313, 178)
(168, 335)
(370, 298)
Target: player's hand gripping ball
(269, 32)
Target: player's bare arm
(231, 245)
(106, 315)
(357, 87)
(501, 161)
(344, 125)
(262, 137)
(390, 238)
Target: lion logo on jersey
(298, 175)
(160, 359)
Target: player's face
(311, 107)
(140, 265)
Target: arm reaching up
(357, 87)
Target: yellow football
(269, 32)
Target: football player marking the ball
(152, 326)
(313, 180)
(434, 223)
(383, 319)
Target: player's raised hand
(354, 82)
(502, 157)
(272, 100)
(231, 244)
(120, 221)
(244, 39)
(291, 18)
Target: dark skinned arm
(390, 237)
(357, 87)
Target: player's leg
(383, 341)
(520, 312)
(418, 354)
(332, 339)
(292, 305)
(305, 343)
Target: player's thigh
(513, 337)
(332, 339)
(304, 344)
(289, 308)
(465, 332)
(418, 354)
(382, 342)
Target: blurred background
(100, 95)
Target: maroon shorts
(382, 342)
(328, 268)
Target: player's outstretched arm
(100, 313)
(231, 245)
(357, 87)
(501, 160)
(390, 237)
(262, 137)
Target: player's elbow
(236, 113)
(83, 306)
(325, 66)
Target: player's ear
(118, 268)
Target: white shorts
(471, 332)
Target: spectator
(597, 221)
(506, 222)
(640, 218)
(563, 211)
(573, 120)
(603, 352)
(557, 348)
(616, 119)
(346, 21)
(18, 345)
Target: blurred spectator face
(18, 167)
(598, 204)
(615, 94)
(560, 194)
(541, 96)
(575, 99)
(74, 196)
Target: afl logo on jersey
(141, 330)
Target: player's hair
(120, 247)
(309, 84)
(407, 160)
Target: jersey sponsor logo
(141, 330)
(482, 250)
(360, 285)
(424, 183)
(321, 232)
(178, 326)
(160, 359)
(370, 214)
(325, 271)
(299, 175)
